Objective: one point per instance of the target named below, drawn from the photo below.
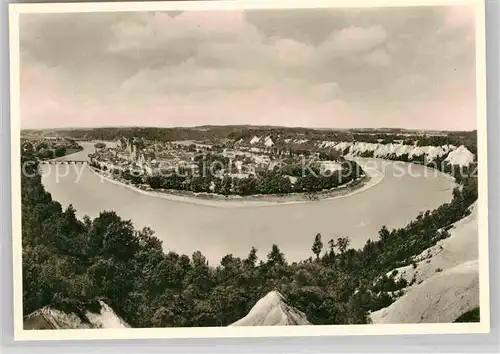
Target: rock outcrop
(461, 157)
(272, 310)
(49, 318)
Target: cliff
(272, 310)
(454, 155)
(49, 318)
(444, 279)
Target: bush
(470, 316)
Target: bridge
(63, 162)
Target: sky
(408, 67)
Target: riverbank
(371, 178)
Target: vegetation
(207, 177)
(70, 264)
(48, 149)
(470, 316)
(223, 134)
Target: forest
(70, 264)
(49, 149)
(221, 134)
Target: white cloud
(378, 57)
(132, 58)
(292, 53)
(328, 91)
(189, 78)
(352, 40)
(459, 16)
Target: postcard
(249, 169)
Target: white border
(230, 332)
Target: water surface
(186, 227)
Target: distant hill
(213, 132)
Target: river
(187, 227)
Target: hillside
(444, 279)
(440, 299)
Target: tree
(342, 244)
(331, 245)
(45, 154)
(28, 148)
(226, 185)
(384, 234)
(275, 257)
(252, 257)
(317, 245)
(60, 151)
(69, 263)
(330, 256)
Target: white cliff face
(460, 247)
(445, 279)
(455, 156)
(271, 310)
(384, 150)
(106, 318)
(461, 156)
(49, 318)
(440, 299)
(268, 142)
(255, 140)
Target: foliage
(46, 149)
(70, 264)
(309, 178)
(470, 316)
(317, 245)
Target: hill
(272, 310)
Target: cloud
(337, 67)
(453, 109)
(257, 106)
(326, 92)
(152, 30)
(353, 40)
(292, 53)
(460, 16)
(188, 78)
(378, 57)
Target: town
(229, 169)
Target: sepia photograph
(241, 168)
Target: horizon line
(244, 125)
